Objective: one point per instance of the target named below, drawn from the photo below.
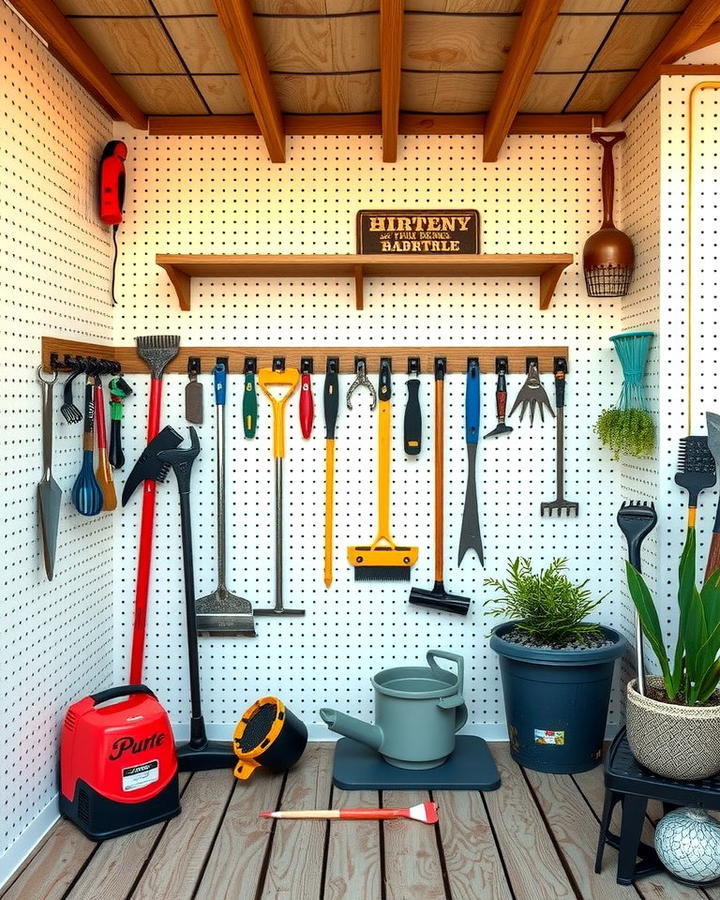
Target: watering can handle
(452, 657)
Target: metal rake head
(551, 507)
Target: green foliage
(629, 431)
(549, 606)
(695, 673)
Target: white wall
(56, 638)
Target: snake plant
(694, 676)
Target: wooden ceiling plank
(74, 53)
(692, 24)
(536, 24)
(236, 18)
(391, 35)
(370, 123)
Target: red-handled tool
(501, 367)
(423, 812)
(307, 406)
(156, 350)
(103, 473)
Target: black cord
(114, 263)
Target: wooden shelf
(182, 268)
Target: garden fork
(532, 394)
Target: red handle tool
(307, 406)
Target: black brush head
(696, 466)
(382, 573)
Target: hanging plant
(628, 428)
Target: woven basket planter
(680, 742)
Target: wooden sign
(418, 231)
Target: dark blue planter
(556, 701)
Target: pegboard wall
(194, 195)
(56, 638)
(689, 314)
(640, 188)
(220, 194)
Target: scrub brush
(696, 470)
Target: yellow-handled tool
(278, 378)
(383, 560)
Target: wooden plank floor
(533, 838)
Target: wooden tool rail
(457, 356)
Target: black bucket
(556, 701)
(268, 735)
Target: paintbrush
(423, 812)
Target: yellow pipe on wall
(700, 86)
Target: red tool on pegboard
(111, 193)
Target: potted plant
(628, 427)
(674, 728)
(556, 667)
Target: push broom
(156, 350)
(383, 560)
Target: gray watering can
(417, 712)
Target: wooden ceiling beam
(711, 36)
(392, 13)
(80, 59)
(689, 28)
(371, 123)
(532, 34)
(236, 18)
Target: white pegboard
(56, 640)
(220, 194)
(689, 405)
(640, 192)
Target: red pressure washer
(118, 768)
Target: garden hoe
(222, 613)
(438, 597)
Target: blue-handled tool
(220, 383)
(470, 533)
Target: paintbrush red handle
(373, 813)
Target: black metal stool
(628, 783)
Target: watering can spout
(353, 728)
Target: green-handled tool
(250, 397)
(119, 390)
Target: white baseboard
(24, 845)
